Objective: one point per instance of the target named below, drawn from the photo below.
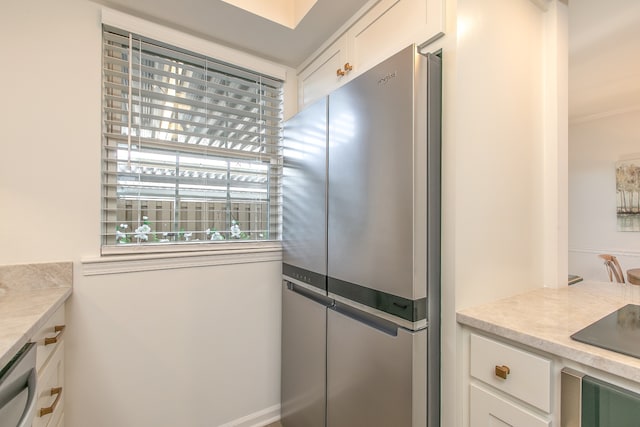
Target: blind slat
(215, 130)
(205, 112)
(118, 37)
(156, 100)
(270, 152)
(118, 84)
(118, 58)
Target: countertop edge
(37, 325)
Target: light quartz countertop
(29, 295)
(546, 318)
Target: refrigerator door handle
(370, 320)
(316, 297)
(402, 306)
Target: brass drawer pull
(339, 72)
(348, 67)
(58, 329)
(55, 391)
(502, 371)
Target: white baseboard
(257, 419)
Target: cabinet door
(365, 114)
(488, 409)
(391, 26)
(50, 392)
(49, 337)
(529, 377)
(320, 77)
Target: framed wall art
(628, 195)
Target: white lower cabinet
(50, 368)
(508, 385)
(488, 409)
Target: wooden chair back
(613, 268)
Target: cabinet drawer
(50, 394)
(488, 409)
(60, 421)
(57, 418)
(529, 375)
(49, 337)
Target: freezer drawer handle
(57, 392)
(58, 329)
(367, 319)
(402, 306)
(320, 299)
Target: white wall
(595, 145)
(183, 347)
(498, 170)
(191, 347)
(500, 60)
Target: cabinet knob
(502, 371)
(348, 67)
(58, 329)
(339, 72)
(57, 392)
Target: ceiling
(232, 26)
(604, 57)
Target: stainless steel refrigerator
(376, 360)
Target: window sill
(145, 261)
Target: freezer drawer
(304, 321)
(376, 372)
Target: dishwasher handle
(20, 375)
(30, 409)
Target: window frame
(149, 30)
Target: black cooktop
(618, 331)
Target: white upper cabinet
(389, 26)
(322, 74)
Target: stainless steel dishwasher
(18, 389)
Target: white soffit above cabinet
(287, 33)
(604, 58)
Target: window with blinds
(192, 147)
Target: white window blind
(192, 147)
